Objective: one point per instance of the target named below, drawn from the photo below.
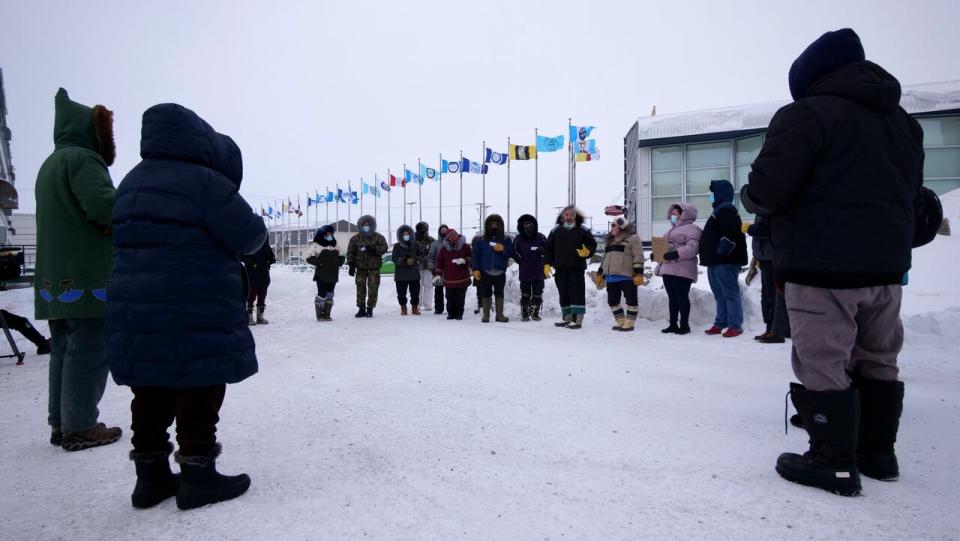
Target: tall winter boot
(361, 312)
(260, 319)
(618, 316)
(251, 317)
(630, 321)
(416, 309)
(832, 419)
(536, 302)
(485, 305)
(498, 304)
(576, 321)
(881, 403)
(403, 309)
(318, 306)
(328, 310)
(524, 308)
(155, 481)
(201, 484)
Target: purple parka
(684, 237)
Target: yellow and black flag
(519, 152)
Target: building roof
(916, 99)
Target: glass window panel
(747, 149)
(667, 183)
(743, 175)
(667, 158)
(708, 155)
(661, 207)
(702, 202)
(938, 132)
(942, 186)
(941, 162)
(698, 181)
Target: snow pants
(368, 286)
(456, 298)
(426, 282)
(839, 332)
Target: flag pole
(299, 229)
(326, 205)
(349, 203)
(419, 191)
(389, 206)
(339, 193)
(440, 181)
(376, 186)
(569, 164)
(404, 182)
(483, 159)
(536, 177)
(460, 167)
(361, 195)
(507, 226)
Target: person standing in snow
(838, 175)
(406, 256)
(679, 268)
(491, 257)
(437, 280)
(425, 241)
(528, 252)
(75, 197)
(363, 258)
(569, 247)
(257, 265)
(453, 267)
(175, 326)
(326, 260)
(771, 298)
(723, 250)
(622, 270)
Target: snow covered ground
(422, 428)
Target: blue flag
(329, 198)
(449, 167)
(384, 185)
(473, 167)
(428, 173)
(410, 176)
(366, 188)
(549, 144)
(495, 157)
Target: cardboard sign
(659, 246)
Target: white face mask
(674, 219)
(406, 238)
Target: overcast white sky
(319, 93)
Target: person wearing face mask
(437, 280)
(491, 257)
(406, 257)
(326, 259)
(363, 258)
(622, 270)
(528, 252)
(679, 268)
(723, 250)
(453, 267)
(569, 247)
(423, 238)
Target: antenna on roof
(654, 112)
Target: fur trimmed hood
(494, 219)
(367, 218)
(76, 124)
(579, 220)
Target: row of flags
(582, 149)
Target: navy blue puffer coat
(175, 317)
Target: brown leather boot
(416, 309)
(403, 309)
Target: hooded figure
(622, 271)
(491, 257)
(528, 252)
(406, 257)
(257, 268)
(425, 241)
(437, 280)
(75, 197)
(838, 175)
(453, 266)
(327, 260)
(364, 253)
(723, 250)
(569, 247)
(679, 268)
(176, 329)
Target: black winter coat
(837, 176)
(258, 264)
(723, 226)
(326, 260)
(560, 251)
(404, 251)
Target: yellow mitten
(498, 247)
(744, 227)
(638, 280)
(547, 271)
(583, 251)
(599, 279)
(476, 275)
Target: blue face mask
(568, 226)
(365, 229)
(674, 219)
(406, 238)
(712, 199)
(328, 238)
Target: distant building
(670, 158)
(292, 242)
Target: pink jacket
(684, 237)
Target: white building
(670, 158)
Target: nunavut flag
(519, 152)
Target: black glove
(652, 257)
(672, 255)
(353, 270)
